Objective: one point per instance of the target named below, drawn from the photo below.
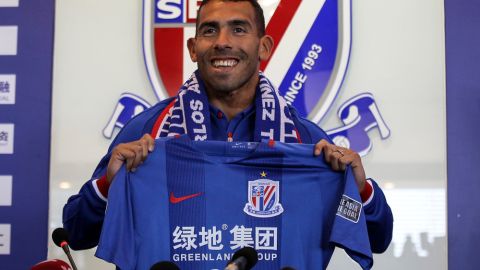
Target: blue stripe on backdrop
(463, 129)
(25, 221)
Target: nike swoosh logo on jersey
(174, 199)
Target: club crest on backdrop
(308, 63)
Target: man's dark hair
(259, 18)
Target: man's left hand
(339, 157)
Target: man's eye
(208, 31)
(239, 30)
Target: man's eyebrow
(208, 24)
(239, 22)
(235, 22)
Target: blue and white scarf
(189, 114)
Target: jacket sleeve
(379, 220)
(84, 212)
(83, 217)
(377, 211)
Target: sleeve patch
(349, 209)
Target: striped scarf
(189, 114)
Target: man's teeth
(224, 63)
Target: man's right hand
(132, 153)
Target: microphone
(287, 268)
(243, 259)
(51, 265)
(60, 238)
(164, 266)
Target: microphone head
(249, 253)
(52, 265)
(59, 235)
(164, 266)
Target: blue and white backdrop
(372, 73)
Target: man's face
(227, 47)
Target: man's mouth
(224, 63)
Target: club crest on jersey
(308, 62)
(263, 198)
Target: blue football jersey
(196, 203)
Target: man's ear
(266, 47)
(191, 49)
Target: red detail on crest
(279, 22)
(191, 18)
(169, 56)
(268, 193)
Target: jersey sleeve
(349, 229)
(84, 212)
(117, 240)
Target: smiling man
(226, 99)
(228, 48)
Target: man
(229, 44)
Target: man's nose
(223, 40)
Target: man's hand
(339, 157)
(133, 153)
